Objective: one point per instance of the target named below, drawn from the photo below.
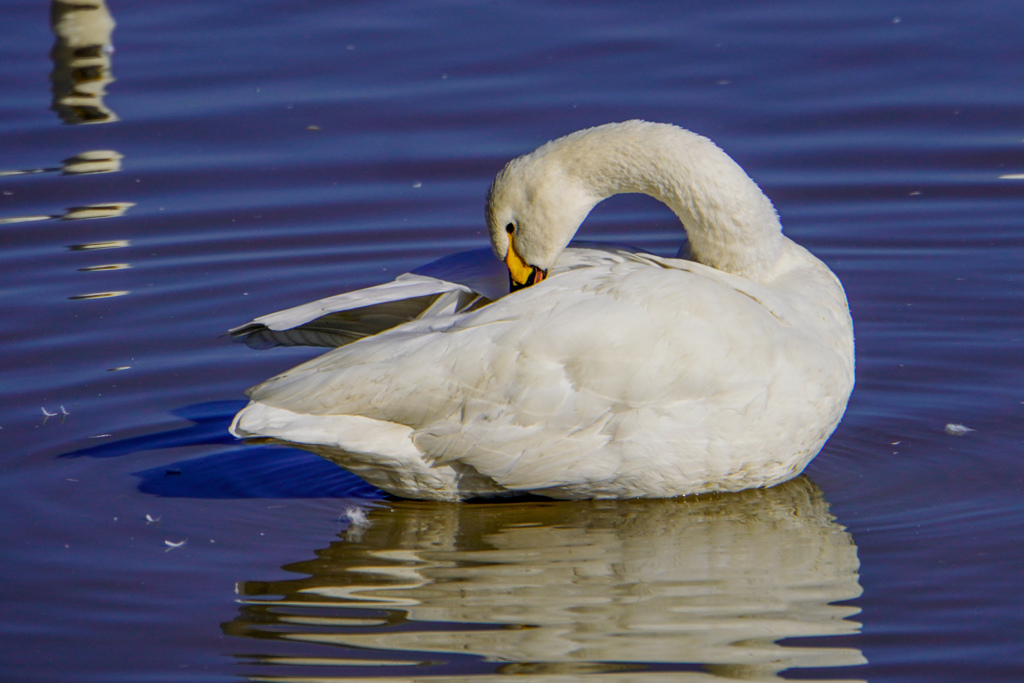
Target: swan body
(616, 374)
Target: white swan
(617, 374)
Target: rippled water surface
(233, 158)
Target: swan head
(534, 208)
(538, 201)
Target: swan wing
(452, 284)
(342, 319)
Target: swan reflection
(681, 589)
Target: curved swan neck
(730, 223)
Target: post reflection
(78, 213)
(684, 589)
(81, 60)
(84, 163)
(93, 161)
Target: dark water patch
(255, 473)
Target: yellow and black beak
(520, 273)
(535, 276)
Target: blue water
(259, 154)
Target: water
(262, 154)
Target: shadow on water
(693, 589)
(239, 471)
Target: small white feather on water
(954, 429)
(357, 516)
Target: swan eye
(510, 228)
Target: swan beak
(520, 273)
(535, 276)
